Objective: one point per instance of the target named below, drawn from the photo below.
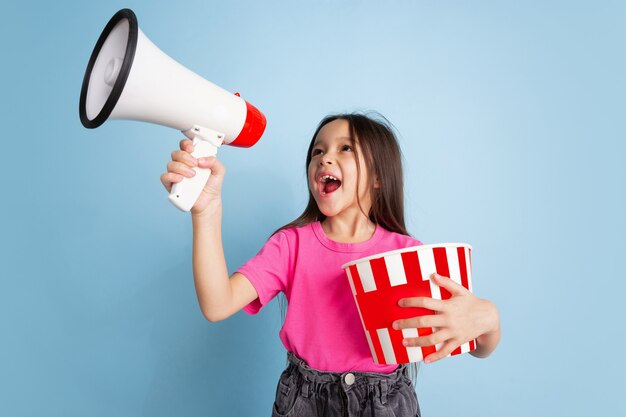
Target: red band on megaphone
(253, 128)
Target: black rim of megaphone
(120, 82)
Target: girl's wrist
(211, 212)
(492, 318)
(487, 342)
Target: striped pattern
(378, 282)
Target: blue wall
(509, 119)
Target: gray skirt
(306, 392)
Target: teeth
(326, 178)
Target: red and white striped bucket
(379, 281)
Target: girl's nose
(325, 160)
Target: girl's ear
(376, 183)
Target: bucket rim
(403, 250)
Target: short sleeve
(268, 271)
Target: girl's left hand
(457, 320)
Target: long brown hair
(383, 160)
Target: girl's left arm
(459, 319)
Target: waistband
(314, 375)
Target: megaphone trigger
(205, 143)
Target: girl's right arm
(219, 295)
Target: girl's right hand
(182, 165)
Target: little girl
(355, 209)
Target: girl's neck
(344, 230)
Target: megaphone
(128, 77)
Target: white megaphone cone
(128, 77)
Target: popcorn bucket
(379, 281)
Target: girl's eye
(347, 148)
(316, 152)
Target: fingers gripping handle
(185, 193)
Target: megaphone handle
(185, 193)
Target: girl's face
(332, 173)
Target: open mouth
(329, 183)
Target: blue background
(511, 121)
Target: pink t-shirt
(322, 325)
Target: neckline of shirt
(345, 247)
